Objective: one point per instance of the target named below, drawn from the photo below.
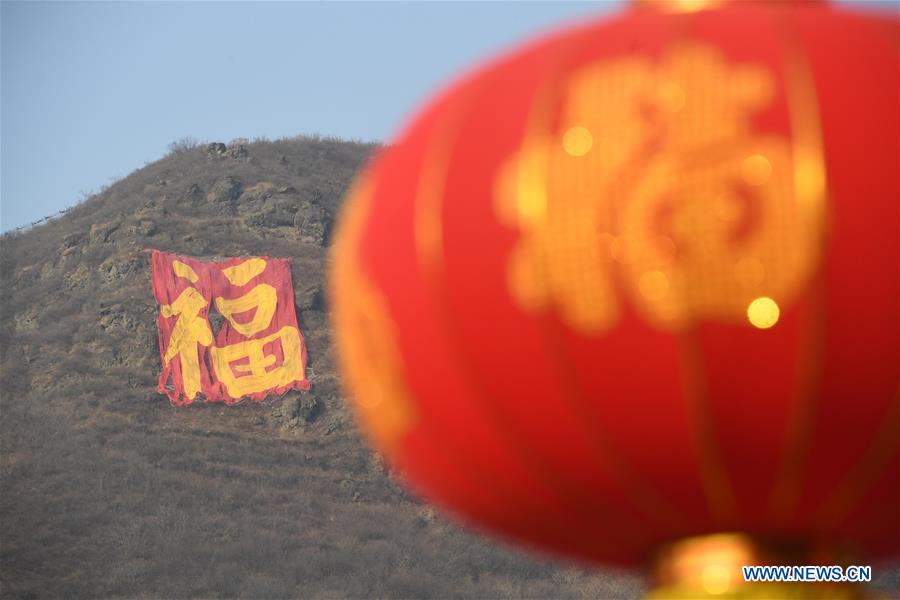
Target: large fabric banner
(258, 349)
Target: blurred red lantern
(638, 281)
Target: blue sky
(92, 91)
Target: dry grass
(108, 491)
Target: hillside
(108, 490)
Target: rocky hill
(108, 490)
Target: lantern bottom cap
(712, 566)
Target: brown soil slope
(108, 490)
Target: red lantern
(637, 282)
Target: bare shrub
(183, 144)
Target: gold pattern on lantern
(671, 96)
(654, 285)
(577, 141)
(763, 313)
(680, 6)
(366, 336)
(756, 170)
(697, 210)
(749, 272)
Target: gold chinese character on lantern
(657, 184)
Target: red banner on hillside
(258, 350)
